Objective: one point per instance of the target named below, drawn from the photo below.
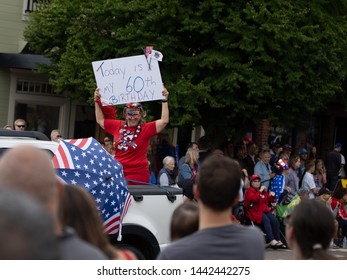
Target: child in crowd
(185, 220)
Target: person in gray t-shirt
(216, 191)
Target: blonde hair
(192, 156)
(20, 120)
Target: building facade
(28, 95)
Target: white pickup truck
(146, 226)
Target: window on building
(33, 5)
(38, 117)
(32, 87)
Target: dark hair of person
(204, 143)
(262, 152)
(250, 145)
(310, 163)
(339, 191)
(293, 160)
(238, 148)
(314, 228)
(191, 144)
(218, 182)
(184, 220)
(78, 210)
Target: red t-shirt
(134, 160)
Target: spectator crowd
(239, 199)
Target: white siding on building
(11, 26)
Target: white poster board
(128, 79)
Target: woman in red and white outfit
(132, 136)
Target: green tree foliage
(226, 63)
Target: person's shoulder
(181, 161)
(149, 128)
(178, 248)
(251, 190)
(206, 244)
(184, 166)
(148, 124)
(162, 174)
(111, 123)
(74, 248)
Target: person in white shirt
(308, 179)
(342, 172)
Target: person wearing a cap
(333, 165)
(303, 154)
(131, 136)
(257, 209)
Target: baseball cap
(287, 147)
(338, 145)
(254, 177)
(248, 139)
(302, 151)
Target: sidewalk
(287, 254)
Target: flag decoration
(84, 162)
(156, 55)
(177, 152)
(150, 53)
(277, 185)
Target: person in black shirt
(333, 166)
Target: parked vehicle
(145, 228)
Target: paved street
(286, 254)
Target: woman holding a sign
(131, 136)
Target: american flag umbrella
(84, 162)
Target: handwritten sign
(128, 79)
